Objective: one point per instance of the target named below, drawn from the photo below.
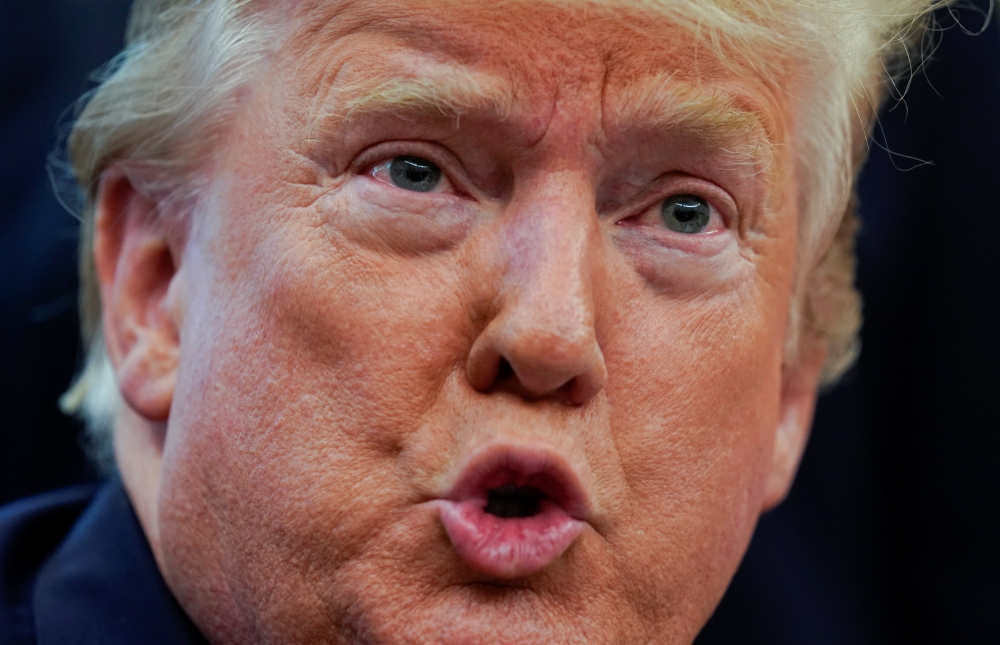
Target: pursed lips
(513, 511)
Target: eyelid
(445, 185)
(383, 153)
(682, 184)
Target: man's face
(483, 326)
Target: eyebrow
(716, 120)
(447, 93)
(660, 102)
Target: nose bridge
(553, 229)
(545, 327)
(548, 283)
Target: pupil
(512, 501)
(686, 213)
(414, 173)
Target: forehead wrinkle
(666, 103)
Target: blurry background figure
(891, 532)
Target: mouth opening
(510, 501)
(513, 512)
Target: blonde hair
(160, 111)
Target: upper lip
(539, 468)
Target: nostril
(504, 371)
(514, 501)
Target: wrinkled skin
(310, 360)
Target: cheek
(693, 413)
(330, 347)
(297, 391)
(702, 401)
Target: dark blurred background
(890, 535)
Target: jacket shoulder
(30, 531)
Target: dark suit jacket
(75, 569)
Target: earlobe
(138, 273)
(798, 401)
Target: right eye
(410, 173)
(686, 214)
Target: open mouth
(513, 513)
(509, 501)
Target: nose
(542, 342)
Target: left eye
(413, 173)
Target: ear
(800, 388)
(136, 268)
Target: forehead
(504, 55)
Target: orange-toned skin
(314, 356)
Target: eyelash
(446, 186)
(379, 158)
(726, 214)
(382, 155)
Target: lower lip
(508, 547)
